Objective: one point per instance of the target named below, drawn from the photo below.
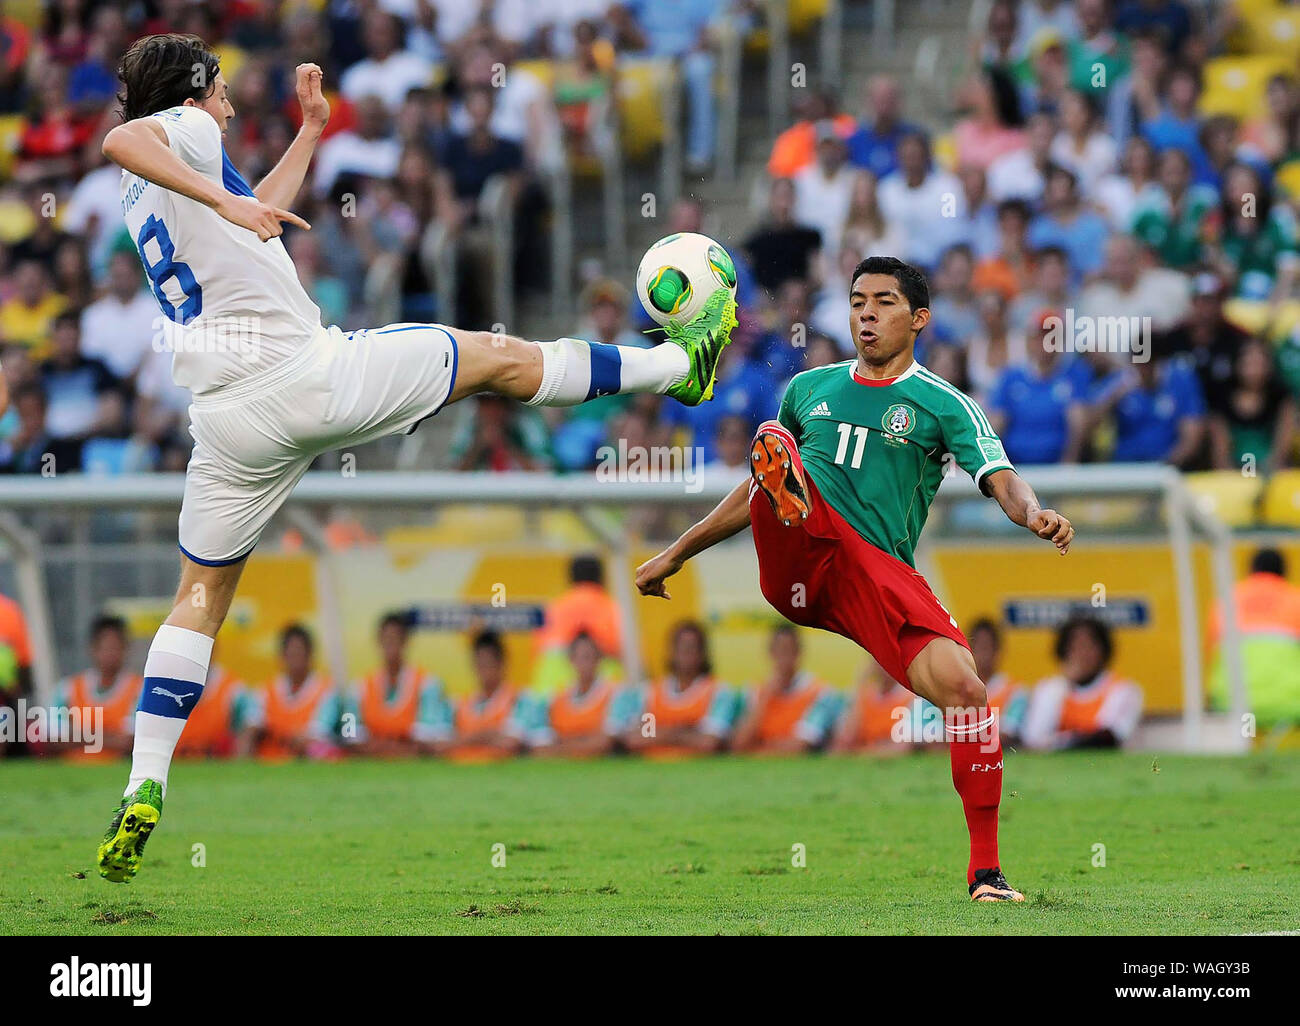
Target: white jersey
(239, 300)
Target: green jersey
(876, 452)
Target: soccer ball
(679, 273)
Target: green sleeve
(971, 438)
(819, 721)
(787, 415)
(724, 712)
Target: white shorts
(253, 440)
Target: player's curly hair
(911, 282)
(163, 71)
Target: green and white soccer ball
(679, 273)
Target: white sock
(574, 371)
(174, 673)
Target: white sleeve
(1121, 711)
(194, 136)
(1043, 718)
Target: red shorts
(824, 574)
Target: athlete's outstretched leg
(944, 673)
(174, 673)
(568, 371)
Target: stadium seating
(1229, 495)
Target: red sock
(975, 749)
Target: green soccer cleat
(704, 339)
(133, 822)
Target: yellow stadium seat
(805, 14)
(542, 69)
(641, 84)
(1252, 315)
(1237, 85)
(1282, 499)
(1273, 31)
(1231, 496)
(11, 127)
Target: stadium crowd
(1073, 197)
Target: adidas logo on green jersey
(820, 410)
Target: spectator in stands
(107, 686)
(1007, 269)
(55, 134)
(583, 89)
(1051, 290)
(1098, 56)
(1171, 217)
(866, 229)
(827, 317)
(1253, 422)
(1086, 705)
(731, 446)
(688, 710)
(297, 713)
(1219, 144)
(1170, 20)
(1268, 628)
(823, 191)
(1256, 244)
(1067, 223)
(979, 226)
(682, 31)
(1177, 125)
(496, 434)
(796, 147)
(1133, 285)
(93, 82)
(369, 150)
(781, 347)
(880, 717)
(1049, 75)
(388, 71)
(1135, 99)
(28, 314)
(1039, 18)
(1117, 193)
(1007, 697)
(1081, 146)
(781, 248)
(927, 204)
(1157, 409)
(1037, 407)
(120, 328)
(993, 346)
(45, 238)
(993, 126)
(1021, 173)
(325, 290)
(873, 144)
(84, 400)
(1271, 137)
(1206, 338)
(954, 313)
(399, 705)
(793, 710)
(587, 719)
(489, 723)
(27, 448)
(996, 47)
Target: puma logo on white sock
(180, 699)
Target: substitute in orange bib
(587, 718)
(219, 727)
(1268, 619)
(687, 711)
(792, 711)
(106, 686)
(1086, 705)
(298, 712)
(1007, 696)
(883, 717)
(489, 724)
(399, 706)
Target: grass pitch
(1192, 845)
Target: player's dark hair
(696, 628)
(587, 569)
(985, 623)
(107, 622)
(163, 71)
(1268, 561)
(297, 630)
(1097, 628)
(396, 619)
(489, 641)
(911, 282)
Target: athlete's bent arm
(1021, 506)
(281, 185)
(730, 516)
(140, 146)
